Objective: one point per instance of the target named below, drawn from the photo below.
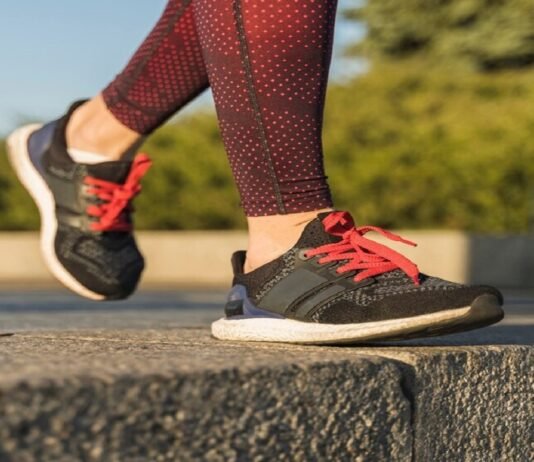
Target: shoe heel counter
(239, 304)
(233, 308)
(235, 301)
(39, 144)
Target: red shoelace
(368, 257)
(116, 197)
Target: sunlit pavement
(167, 309)
(59, 309)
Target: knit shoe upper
(93, 243)
(336, 275)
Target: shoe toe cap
(409, 304)
(123, 286)
(105, 282)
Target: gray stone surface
(149, 395)
(180, 396)
(142, 380)
(470, 403)
(473, 405)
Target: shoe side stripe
(289, 289)
(65, 193)
(312, 302)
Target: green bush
(190, 186)
(407, 146)
(17, 211)
(421, 147)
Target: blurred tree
(411, 146)
(483, 34)
(190, 185)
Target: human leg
(268, 64)
(165, 73)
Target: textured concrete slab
(177, 394)
(140, 380)
(180, 396)
(470, 403)
(480, 403)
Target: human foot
(337, 286)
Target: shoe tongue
(314, 234)
(115, 172)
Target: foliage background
(438, 134)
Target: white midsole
(291, 331)
(19, 158)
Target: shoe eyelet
(302, 255)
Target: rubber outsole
(484, 311)
(31, 179)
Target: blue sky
(59, 50)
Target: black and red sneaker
(338, 286)
(86, 226)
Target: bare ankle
(92, 127)
(272, 236)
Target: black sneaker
(86, 227)
(337, 286)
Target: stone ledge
(180, 395)
(452, 255)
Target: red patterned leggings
(267, 62)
